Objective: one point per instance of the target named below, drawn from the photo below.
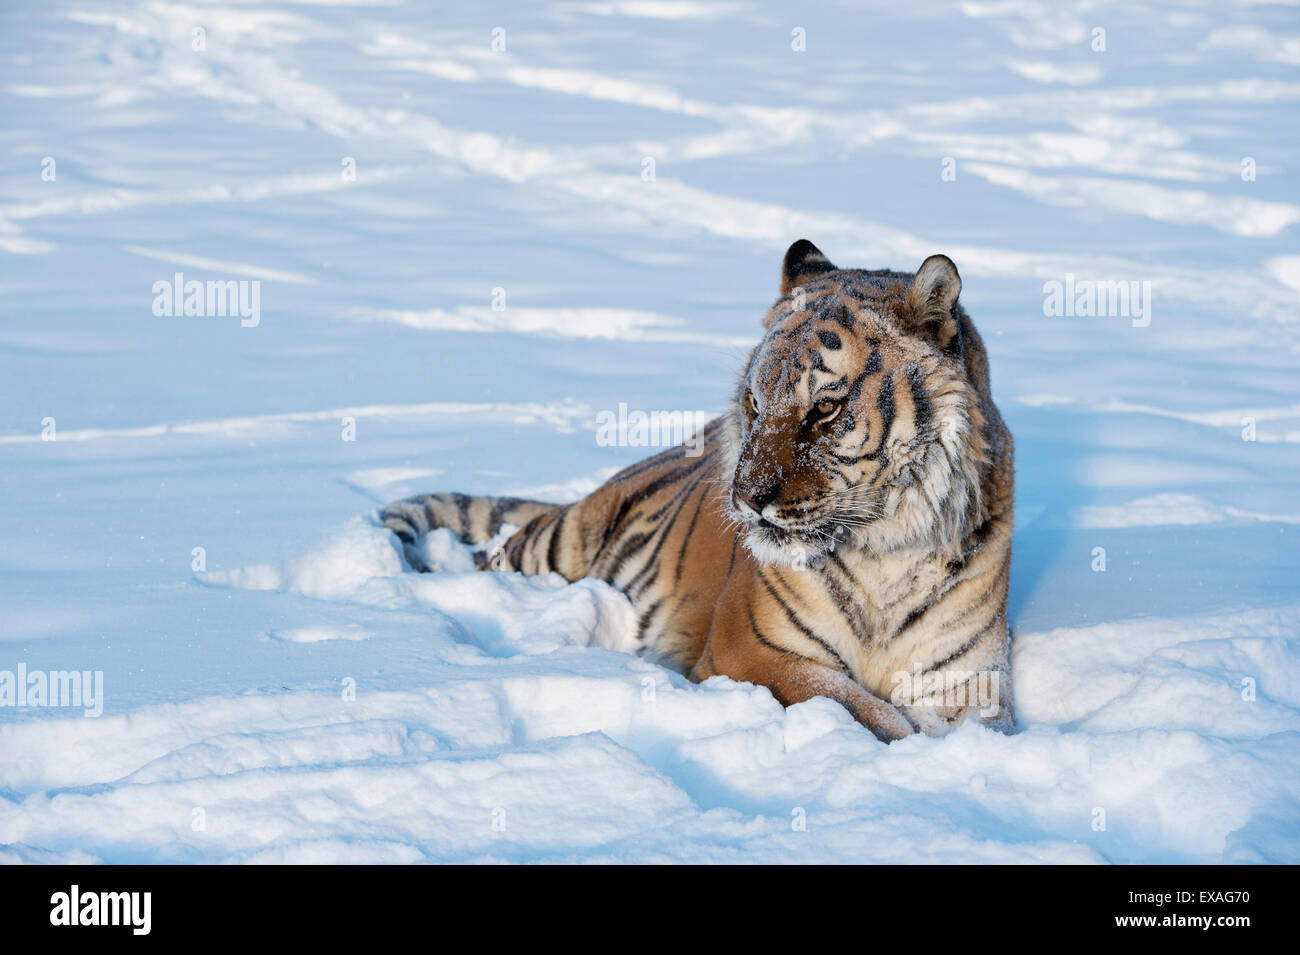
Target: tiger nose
(757, 500)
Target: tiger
(843, 529)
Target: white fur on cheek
(937, 491)
(793, 555)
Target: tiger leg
(474, 520)
(563, 540)
(793, 678)
(983, 696)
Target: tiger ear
(931, 302)
(802, 260)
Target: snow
(201, 530)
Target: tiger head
(857, 420)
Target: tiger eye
(751, 402)
(826, 407)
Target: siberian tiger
(843, 529)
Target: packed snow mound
(501, 614)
